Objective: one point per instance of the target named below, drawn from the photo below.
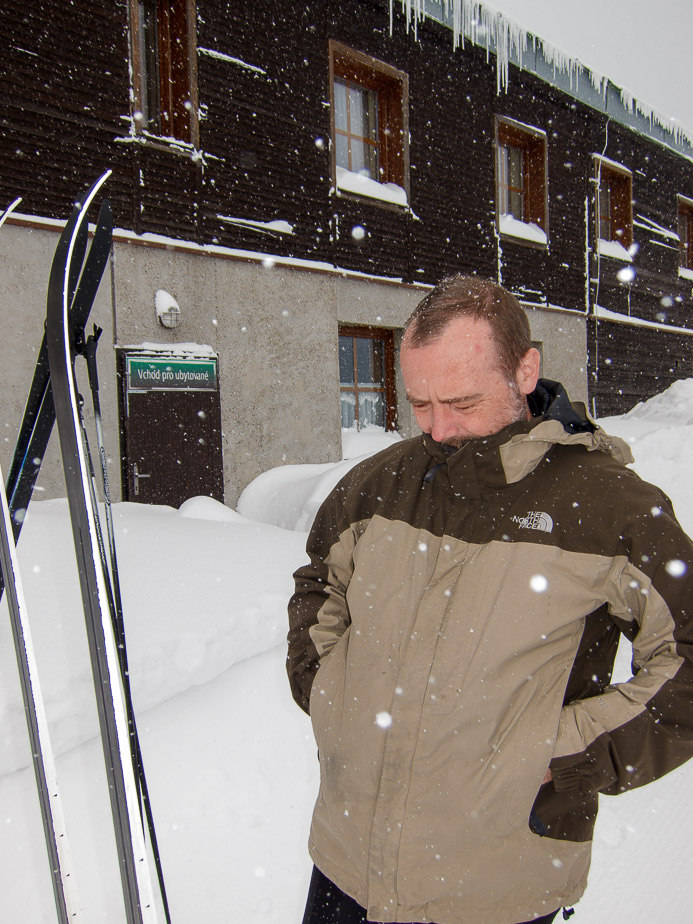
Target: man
(454, 635)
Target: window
(614, 208)
(685, 233)
(356, 128)
(521, 192)
(165, 78)
(370, 125)
(367, 377)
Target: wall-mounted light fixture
(167, 309)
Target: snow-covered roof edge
(513, 44)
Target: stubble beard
(517, 408)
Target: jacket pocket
(564, 815)
(327, 691)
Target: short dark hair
(462, 296)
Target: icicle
(485, 27)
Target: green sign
(157, 373)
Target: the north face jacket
(453, 637)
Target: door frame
(154, 353)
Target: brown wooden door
(172, 441)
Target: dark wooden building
(295, 174)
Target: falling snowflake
(538, 583)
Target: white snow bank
(190, 611)
(673, 407)
(660, 435)
(356, 443)
(289, 496)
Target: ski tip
(92, 190)
(10, 208)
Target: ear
(527, 373)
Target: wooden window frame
(532, 142)
(619, 181)
(388, 336)
(392, 88)
(685, 228)
(177, 70)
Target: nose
(444, 423)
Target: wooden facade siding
(621, 363)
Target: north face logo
(535, 519)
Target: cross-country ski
(54, 825)
(75, 277)
(62, 339)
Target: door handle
(136, 477)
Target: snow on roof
(513, 44)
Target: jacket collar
(510, 455)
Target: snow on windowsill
(229, 59)
(685, 273)
(361, 185)
(278, 226)
(653, 228)
(607, 315)
(614, 250)
(526, 231)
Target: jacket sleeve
(635, 732)
(318, 609)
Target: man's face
(456, 388)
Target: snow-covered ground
(230, 759)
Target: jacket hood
(522, 445)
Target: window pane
(517, 204)
(359, 164)
(342, 151)
(372, 161)
(511, 179)
(371, 408)
(686, 238)
(369, 361)
(364, 119)
(364, 158)
(605, 214)
(503, 203)
(149, 64)
(515, 163)
(346, 360)
(348, 409)
(340, 106)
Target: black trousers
(329, 905)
